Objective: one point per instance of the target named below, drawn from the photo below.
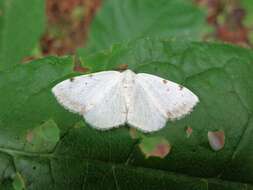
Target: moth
(110, 99)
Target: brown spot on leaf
(80, 69)
(188, 132)
(43, 137)
(122, 67)
(155, 147)
(133, 133)
(29, 136)
(165, 81)
(216, 139)
(161, 150)
(28, 59)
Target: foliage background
(204, 45)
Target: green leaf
(43, 138)
(118, 21)
(27, 102)
(21, 25)
(86, 158)
(18, 182)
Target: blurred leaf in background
(117, 21)
(21, 26)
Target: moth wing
(155, 100)
(143, 114)
(97, 96)
(172, 98)
(110, 111)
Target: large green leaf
(130, 19)
(33, 153)
(21, 24)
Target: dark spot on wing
(169, 114)
(71, 79)
(165, 81)
(180, 87)
(91, 75)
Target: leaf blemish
(188, 132)
(122, 67)
(29, 136)
(155, 147)
(133, 133)
(216, 139)
(80, 69)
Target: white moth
(110, 98)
